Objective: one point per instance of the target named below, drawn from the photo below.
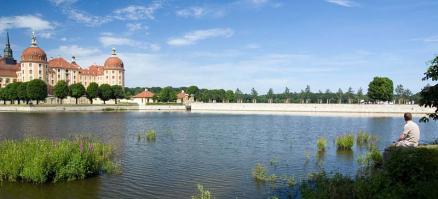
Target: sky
(327, 44)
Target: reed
(345, 142)
(202, 193)
(39, 160)
(151, 135)
(321, 143)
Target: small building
(144, 97)
(182, 97)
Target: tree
(193, 91)
(254, 95)
(22, 92)
(2, 95)
(77, 91)
(167, 94)
(229, 96)
(286, 95)
(350, 94)
(270, 95)
(36, 90)
(381, 89)
(399, 92)
(429, 94)
(60, 90)
(11, 92)
(359, 95)
(92, 91)
(118, 92)
(105, 92)
(238, 94)
(339, 95)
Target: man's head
(407, 116)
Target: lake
(218, 151)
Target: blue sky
(327, 44)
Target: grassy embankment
(39, 160)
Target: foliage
(61, 90)
(193, 90)
(105, 92)
(429, 94)
(321, 143)
(151, 135)
(92, 91)
(77, 90)
(36, 90)
(260, 174)
(118, 92)
(167, 94)
(364, 138)
(202, 193)
(345, 142)
(381, 89)
(405, 173)
(11, 91)
(41, 160)
(22, 91)
(2, 95)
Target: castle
(33, 64)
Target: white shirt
(411, 132)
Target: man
(410, 135)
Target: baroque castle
(33, 64)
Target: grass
(151, 135)
(364, 138)
(345, 142)
(260, 174)
(39, 160)
(404, 173)
(321, 143)
(202, 193)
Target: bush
(321, 143)
(345, 142)
(41, 160)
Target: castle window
(1, 79)
(7, 80)
(30, 71)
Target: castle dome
(113, 62)
(33, 53)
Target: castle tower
(34, 63)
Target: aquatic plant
(345, 142)
(202, 193)
(321, 143)
(372, 159)
(260, 174)
(274, 161)
(39, 160)
(151, 135)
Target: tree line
(380, 89)
(37, 90)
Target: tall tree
(340, 95)
(92, 91)
(167, 94)
(22, 92)
(60, 90)
(118, 92)
(229, 95)
(429, 94)
(254, 95)
(37, 90)
(359, 95)
(350, 94)
(193, 91)
(238, 95)
(270, 95)
(286, 95)
(11, 92)
(399, 91)
(105, 92)
(3, 95)
(381, 89)
(77, 91)
(307, 94)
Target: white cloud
(32, 22)
(344, 3)
(68, 51)
(63, 2)
(191, 12)
(116, 41)
(258, 2)
(85, 18)
(195, 36)
(135, 27)
(136, 12)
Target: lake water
(215, 150)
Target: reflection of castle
(34, 65)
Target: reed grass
(321, 143)
(345, 142)
(202, 193)
(39, 160)
(260, 174)
(151, 135)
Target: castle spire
(34, 42)
(7, 52)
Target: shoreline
(353, 110)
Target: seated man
(410, 135)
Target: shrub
(41, 160)
(321, 143)
(151, 135)
(202, 193)
(344, 142)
